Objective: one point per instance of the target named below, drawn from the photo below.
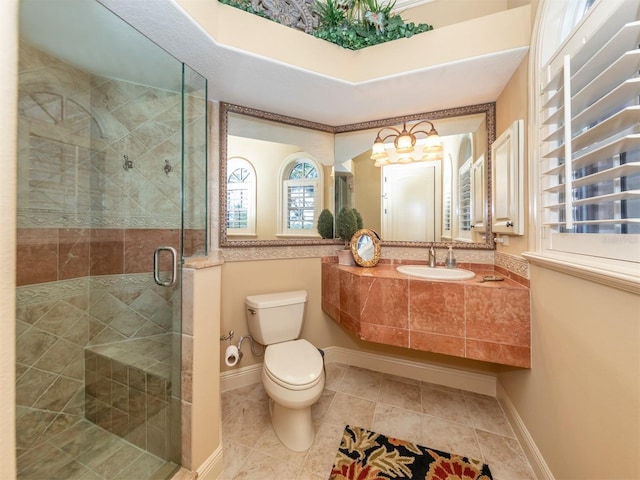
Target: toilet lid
(296, 363)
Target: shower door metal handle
(156, 266)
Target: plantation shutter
(464, 200)
(590, 149)
(301, 198)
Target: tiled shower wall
(87, 227)
(51, 254)
(56, 322)
(76, 130)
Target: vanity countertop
(488, 321)
(390, 271)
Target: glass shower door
(103, 156)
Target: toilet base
(293, 426)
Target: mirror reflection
(365, 247)
(277, 178)
(278, 173)
(424, 200)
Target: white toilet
(292, 372)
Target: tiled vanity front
(487, 321)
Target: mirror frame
(375, 240)
(488, 109)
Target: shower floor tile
(438, 417)
(85, 451)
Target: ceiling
(258, 81)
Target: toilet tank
(275, 317)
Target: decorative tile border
(135, 280)
(47, 292)
(91, 220)
(244, 254)
(462, 255)
(51, 291)
(513, 263)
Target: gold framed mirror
(458, 211)
(365, 247)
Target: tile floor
(438, 417)
(85, 451)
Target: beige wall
(441, 13)
(512, 105)
(8, 152)
(240, 279)
(267, 159)
(582, 393)
(201, 425)
(366, 191)
(581, 399)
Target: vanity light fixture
(404, 143)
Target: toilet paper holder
(229, 336)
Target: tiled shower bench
(128, 391)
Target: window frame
(589, 263)
(284, 182)
(465, 200)
(234, 163)
(447, 198)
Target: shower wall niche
(104, 173)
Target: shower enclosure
(111, 199)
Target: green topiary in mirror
(348, 222)
(359, 222)
(325, 223)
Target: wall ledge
(594, 273)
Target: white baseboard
(241, 377)
(450, 377)
(446, 376)
(212, 467)
(540, 467)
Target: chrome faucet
(432, 256)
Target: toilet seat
(295, 365)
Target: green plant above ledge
(351, 24)
(358, 24)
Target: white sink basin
(431, 273)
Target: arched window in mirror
(300, 196)
(241, 197)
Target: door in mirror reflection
(411, 202)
